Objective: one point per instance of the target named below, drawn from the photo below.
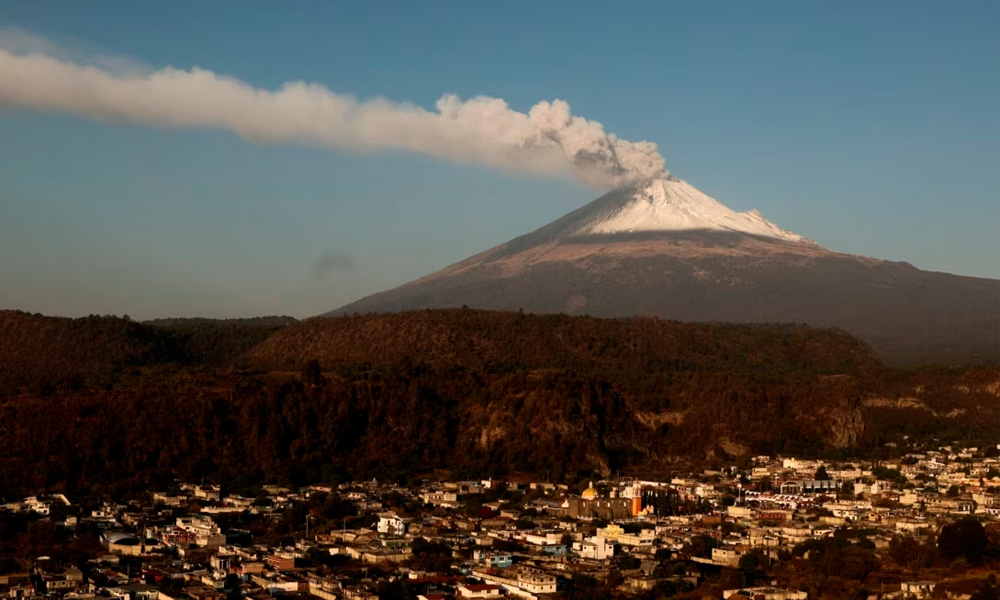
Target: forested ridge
(48, 353)
(218, 341)
(640, 347)
(99, 400)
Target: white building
(444, 498)
(205, 531)
(535, 581)
(644, 538)
(594, 548)
(728, 557)
(520, 581)
(391, 524)
(917, 589)
(483, 590)
(764, 593)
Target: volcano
(663, 248)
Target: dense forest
(86, 403)
(218, 341)
(615, 348)
(48, 353)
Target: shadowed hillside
(52, 351)
(478, 392)
(219, 341)
(622, 349)
(45, 353)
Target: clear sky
(871, 127)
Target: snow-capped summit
(661, 247)
(672, 204)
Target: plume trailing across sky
(548, 140)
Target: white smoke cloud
(548, 141)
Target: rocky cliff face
(479, 392)
(847, 425)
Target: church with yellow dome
(590, 505)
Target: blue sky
(871, 127)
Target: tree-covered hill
(47, 353)
(101, 400)
(617, 348)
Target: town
(924, 525)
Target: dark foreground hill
(219, 341)
(53, 352)
(50, 351)
(621, 349)
(476, 392)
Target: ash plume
(548, 140)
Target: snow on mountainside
(663, 248)
(675, 205)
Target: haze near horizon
(232, 160)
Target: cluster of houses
(518, 539)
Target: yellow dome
(590, 493)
